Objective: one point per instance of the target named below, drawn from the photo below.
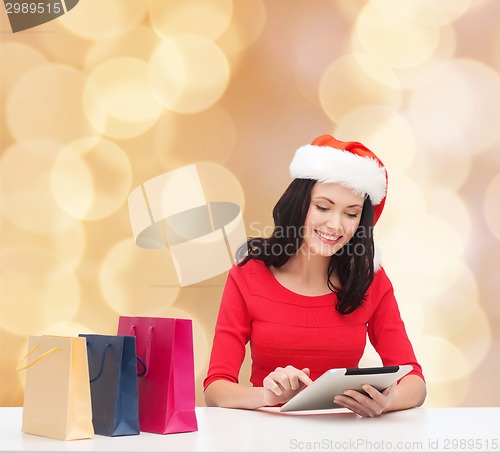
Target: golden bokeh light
(96, 19)
(26, 262)
(91, 180)
(188, 73)
(425, 12)
(246, 26)
(461, 293)
(219, 184)
(309, 63)
(27, 199)
(442, 360)
(412, 312)
(461, 92)
(479, 5)
(444, 152)
(349, 9)
(491, 206)
(118, 90)
(208, 18)
(447, 394)
(37, 304)
(46, 103)
(383, 130)
(139, 43)
(456, 314)
(487, 276)
(176, 140)
(69, 246)
(397, 40)
(496, 49)
(61, 45)
(405, 198)
(63, 329)
(446, 204)
(356, 80)
(137, 281)
(17, 59)
(427, 243)
(41, 256)
(412, 76)
(54, 42)
(473, 336)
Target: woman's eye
(352, 215)
(321, 208)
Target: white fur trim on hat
(364, 175)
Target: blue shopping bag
(113, 384)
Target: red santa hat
(351, 164)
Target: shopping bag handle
(45, 354)
(148, 349)
(103, 357)
(145, 368)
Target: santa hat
(351, 164)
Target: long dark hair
(353, 263)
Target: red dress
(286, 328)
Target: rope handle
(42, 356)
(149, 337)
(145, 368)
(103, 357)
(101, 368)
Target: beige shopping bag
(57, 400)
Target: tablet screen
(319, 395)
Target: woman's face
(332, 219)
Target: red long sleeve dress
(286, 328)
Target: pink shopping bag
(166, 384)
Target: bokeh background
(116, 92)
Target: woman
(306, 297)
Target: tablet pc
(319, 395)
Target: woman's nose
(333, 222)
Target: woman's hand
(371, 405)
(409, 392)
(284, 383)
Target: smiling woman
(306, 296)
(330, 225)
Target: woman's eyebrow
(324, 198)
(332, 202)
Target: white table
(417, 430)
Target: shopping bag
(113, 384)
(166, 390)
(57, 392)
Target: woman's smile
(328, 238)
